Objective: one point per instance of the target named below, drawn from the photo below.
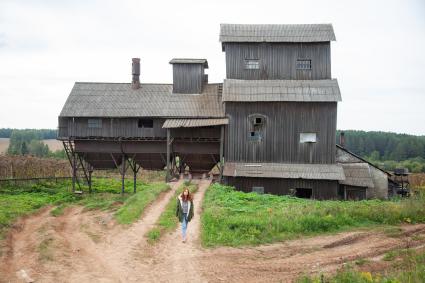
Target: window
(258, 121)
(145, 123)
(303, 64)
(258, 190)
(94, 123)
(303, 193)
(307, 137)
(254, 136)
(252, 64)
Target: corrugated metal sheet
(357, 174)
(150, 100)
(281, 90)
(189, 61)
(284, 170)
(276, 33)
(191, 123)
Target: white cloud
(45, 46)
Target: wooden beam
(221, 152)
(90, 175)
(123, 169)
(74, 170)
(168, 177)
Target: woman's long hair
(188, 197)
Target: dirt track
(82, 246)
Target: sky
(46, 46)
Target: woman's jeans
(184, 225)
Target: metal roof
(357, 174)
(281, 90)
(190, 61)
(276, 33)
(190, 123)
(150, 100)
(284, 170)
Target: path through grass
(168, 221)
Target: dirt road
(87, 246)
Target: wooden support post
(168, 177)
(90, 173)
(221, 152)
(122, 173)
(134, 176)
(74, 171)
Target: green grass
(409, 268)
(168, 221)
(134, 205)
(16, 201)
(234, 218)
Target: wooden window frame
(303, 64)
(94, 123)
(142, 121)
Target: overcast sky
(46, 46)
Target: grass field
(17, 201)
(4, 144)
(234, 218)
(168, 221)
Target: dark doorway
(303, 193)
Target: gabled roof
(190, 61)
(191, 123)
(281, 90)
(150, 100)
(276, 33)
(284, 170)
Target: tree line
(40, 134)
(30, 141)
(387, 150)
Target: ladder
(78, 164)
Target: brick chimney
(342, 139)
(135, 83)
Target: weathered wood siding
(199, 132)
(278, 60)
(281, 132)
(111, 128)
(128, 128)
(188, 78)
(322, 189)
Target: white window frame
(308, 137)
(252, 64)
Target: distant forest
(29, 141)
(387, 150)
(40, 134)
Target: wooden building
(270, 126)
(281, 102)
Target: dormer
(189, 75)
(277, 52)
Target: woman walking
(184, 210)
